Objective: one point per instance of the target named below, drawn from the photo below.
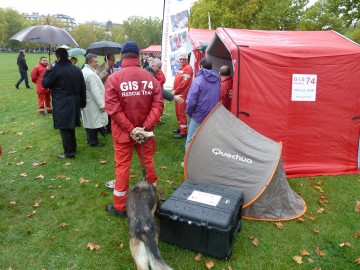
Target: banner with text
(174, 35)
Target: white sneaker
(110, 184)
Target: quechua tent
(300, 88)
(225, 151)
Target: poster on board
(174, 36)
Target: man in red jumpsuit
(182, 83)
(133, 100)
(226, 86)
(43, 94)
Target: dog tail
(155, 259)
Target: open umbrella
(76, 52)
(45, 34)
(104, 47)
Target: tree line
(341, 16)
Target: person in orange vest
(134, 101)
(226, 86)
(182, 83)
(43, 93)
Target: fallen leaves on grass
(198, 257)
(301, 220)
(30, 215)
(304, 252)
(316, 231)
(279, 225)
(93, 246)
(83, 180)
(121, 246)
(20, 163)
(61, 176)
(170, 182)
(11, 152)
(27, 147)
(298, 259)
(310, 217)
(320, 210)
(345, 244)
(62, 224)
(67, 164)
(40, 176)
(209, 264)
(357, 261)
(357, 207)
(320, 252)
(2, 132)
(254, 241)
(102, 162)
(23, 174)
(12, 202)
(134, 175)
(36, 204)
(356, 235)
(35, 164)
(9, 163)
(19, 133)
(163, 167)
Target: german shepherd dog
(142, 201)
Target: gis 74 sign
(304, 87)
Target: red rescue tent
(152, 49)
(197, 42)
(300, 88)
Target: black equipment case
(201, 217)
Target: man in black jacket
(23, 69)
(68, 92)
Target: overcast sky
(82, 11)
(102, 11)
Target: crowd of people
(126, 101)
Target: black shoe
(176, 131)
(180, 136)
(17, 86)
(110, 208)
(98, 145)
(63, 156)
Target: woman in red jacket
(37, 75)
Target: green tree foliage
(143, 31)
(84, 34)
(118, 34)
(248, 14)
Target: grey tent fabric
(225, 151)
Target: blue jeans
(193, 126)
(24, 76)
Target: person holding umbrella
(68, 92)
(23, 69)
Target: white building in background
(69, 22)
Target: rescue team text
(132, 88)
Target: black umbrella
(104, 47)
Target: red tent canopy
(300, 88)
(152, 49)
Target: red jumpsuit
(133, 98)
(182, 83)
(43, 93)
(226, 91)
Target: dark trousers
(23, 76)
(68, 141)
(92, 135)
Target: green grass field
(51, 209)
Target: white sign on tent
(304, 87)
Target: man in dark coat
(68, 92)
(23, 69)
